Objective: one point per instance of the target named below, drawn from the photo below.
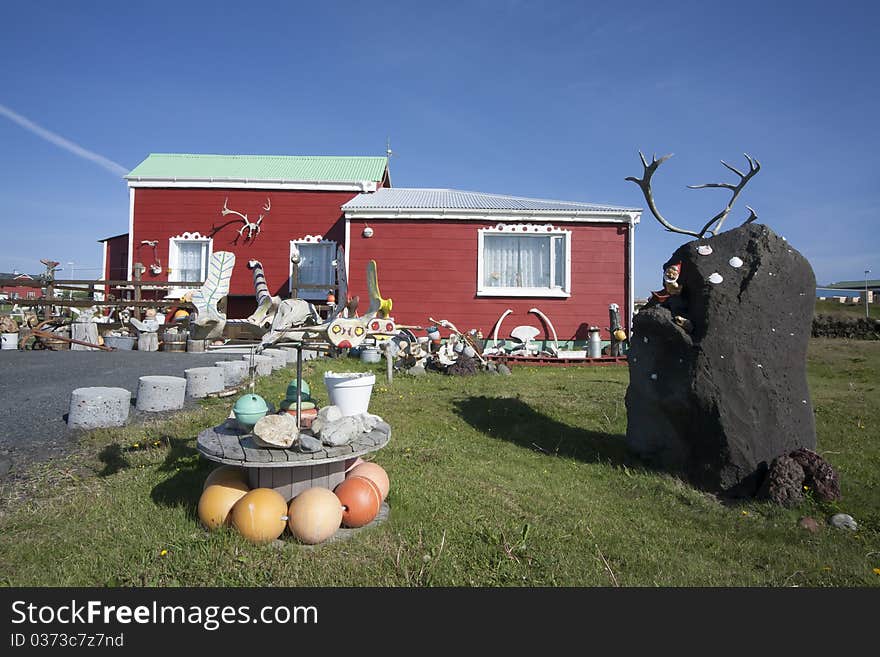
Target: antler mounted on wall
(713, 226)
(252, 227)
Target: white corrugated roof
(401, 198)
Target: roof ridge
(323, 157)
(508, 196)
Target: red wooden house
(12, 292)
(461, 256)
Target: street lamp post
(70, 292)
(867, 271)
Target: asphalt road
(35, 389)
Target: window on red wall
(524, 260)
(316, 267)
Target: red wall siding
(429, 269)
(21, 292)
(116, 250)
(163, 213)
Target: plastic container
(350, 391)
(370, 355)
(122, 342)
(9, 340)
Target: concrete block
(202, 381)
(279, 358)
(94, 408)
(234, 372)
(290, 354)
(160, 393)
(262, 363)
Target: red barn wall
(162, 213)
(22, 292)
(429, 269)
(116, 253)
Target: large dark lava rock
(722, 401)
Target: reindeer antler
(226, 211)
(744, 178)
(645, 184)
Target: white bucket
(8, 340)
(350, 391)
(370, 355)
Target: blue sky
(551, 100)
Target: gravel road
(35, 389)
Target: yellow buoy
(217, 501)
(315, 515)
(261, 515)
(225, 474)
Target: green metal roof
(305, 168)
(853, 285)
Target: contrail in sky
(60, 141)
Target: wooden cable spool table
(288, 471)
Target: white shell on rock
(704, 249)
(735, 262)
(715, 278)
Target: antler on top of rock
(713, 226)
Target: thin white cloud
(61, 142)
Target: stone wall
(854, 328)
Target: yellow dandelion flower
(136, 445)
(745, 513)
(877, 571)
(163, 553)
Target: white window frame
(528, 231)
(174, 258)
(313, 295)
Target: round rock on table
(202, 381)
(161, 393)
(94, 408)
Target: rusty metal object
(48, 335)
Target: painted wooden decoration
(346, 333)
(210, 321)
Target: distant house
(462, 256)
(849, 289)
(10, 291)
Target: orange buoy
(261, 515)
(375, 473)
(351, 464)
(360, 499)
(218, 500)
(225, 474)
(314, 515)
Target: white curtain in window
(316, 267)
(190, 260)
(517, 261)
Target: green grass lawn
(495, 481)
(855, 310)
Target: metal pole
(299, 384)
(867, 271)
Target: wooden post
(137, 269)
(50, 294)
